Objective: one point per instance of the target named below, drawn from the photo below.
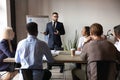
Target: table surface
(63, 57)
(68, 59)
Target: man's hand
(88, 39)
(57, 32)
(45, 33)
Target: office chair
(102, 70)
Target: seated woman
(85, 34)
(6, 50)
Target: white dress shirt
(53, 23)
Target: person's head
(86, 31)
(117, 31)
(32, 28)
(96, 29)
(55, 16)
(7, 33)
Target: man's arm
(62, 30)
(17, 56)
(47, 30)
(47, 53)
(5, 49)
(83, 54)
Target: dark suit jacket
(54, 39)
(4, 53)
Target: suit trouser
(36, 74)
(61, 65)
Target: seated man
(30, 53)
(99, 50)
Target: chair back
(102, 70)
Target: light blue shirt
(30, 53)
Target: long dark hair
(117, 31)
(87, 30)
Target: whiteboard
(41, 21)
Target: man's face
(54, 17)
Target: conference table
(62, 57)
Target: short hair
(54, 13)
(117, 31)
(96, 29)
(32, 28)
(87, 30)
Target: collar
(54, 21)
(31, 36)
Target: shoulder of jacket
(49, 22)
(60, 22)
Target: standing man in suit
(54, 29)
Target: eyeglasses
(55, 16)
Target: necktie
(54, 26)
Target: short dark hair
(96, 29)
(54, 13)
(117, 31)
(32, 28)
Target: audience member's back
(30, 53)
(99, 50)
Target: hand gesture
(57, 32)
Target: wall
(23, 8)
(8, 13)
(73, 13)
(3, 14)
(78, 13)
(21, 12)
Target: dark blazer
(4, 53)
(54, 39)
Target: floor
(56, 75)
(62, 76)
